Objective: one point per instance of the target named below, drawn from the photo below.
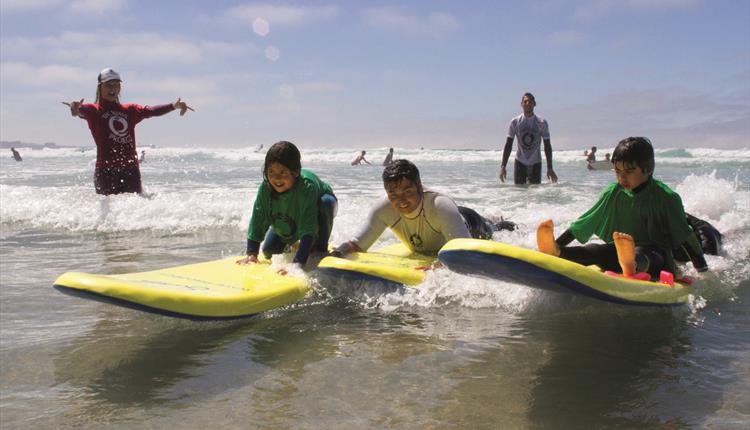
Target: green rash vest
(654, 216)
(293, 213)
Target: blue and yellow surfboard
(495, 260)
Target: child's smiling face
(280, 177)
(630, 176)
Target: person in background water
(422, 220)
(360, 159)
(388, 158)
(591, 157)
(292, 205)
(640, 219)
(112, 125)
(16, 154)
(143, 157)
(530, 130)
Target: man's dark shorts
(108, 180)
(523, 174)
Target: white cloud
(596, 8)
(318, 87)
(97, 7)
(562, 38)
(119, 48)
(394, 19)
(15, 73)
(20, 5)
(282, 15)
(80, 7)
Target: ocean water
(454, 352)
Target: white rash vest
(435, 222)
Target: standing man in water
(530, 130)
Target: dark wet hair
(399, 170)
(529, 95)
(284, 153)
(636, 151)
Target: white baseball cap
(107, 75)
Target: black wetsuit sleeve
(693, 250)
(548, 152)
(305, 246)
(506, 151)
(252, 247)
(564, 239)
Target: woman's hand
(182, 106)
(74, 106)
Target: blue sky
(367, 74)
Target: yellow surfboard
(505, 262)
(394, 264)
(218, 289)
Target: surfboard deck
(394, 264)
(600, 165)
(510, 263)
(218, 289)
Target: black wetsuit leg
(708, 236)
(478, 226)
(523, 174)
(535, 173)
(109, 180)
(327, 208)
(520, 173)
(272, 243)
(647, 259)
(603, 255)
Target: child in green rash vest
(292, 205)
(640, 219)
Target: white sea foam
(209, 189)
(666, 156)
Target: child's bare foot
(545, 238)
(625, 252)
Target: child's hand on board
(248, 260)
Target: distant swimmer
(360, 159)
(113, 127)
(16, 155)
(388, 158)
(530, 131)
(143, 157)
(259, 148)
(606, 156)
(591, 156)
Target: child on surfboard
(640, 219)
(292, 205)
(423, 220)
(113, 127)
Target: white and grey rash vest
(435, 222)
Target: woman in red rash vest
(112, 125)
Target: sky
(373, 74)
